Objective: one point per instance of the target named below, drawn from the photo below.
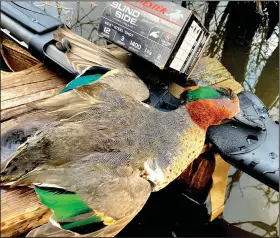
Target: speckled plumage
(99, 149)
(113, 124)
(100, 146)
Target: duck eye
(224, 92)
(231, 93)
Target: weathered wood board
(21, 210)
(29, 85)
(16, 58)
(15, 212)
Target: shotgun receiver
(33, 30)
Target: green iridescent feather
(90, 75)
(80, 81)
(65, 205)
(204, 93)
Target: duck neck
(204, 113)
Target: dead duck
(97, 163)
(96, 64)
(92, 64)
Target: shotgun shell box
(163, 33)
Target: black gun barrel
(33, 29)
(16, 32)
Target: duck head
(210, 105)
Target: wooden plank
(21, 211)
(30, 98)
(4, 74)
(19, 88)
(16, 58)
(23, 90)
(35, 74)
(218, 190)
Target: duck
(96, 165)
(90, 63)
(93, 63)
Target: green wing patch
(68, 205)
(80, 81)
(63, 203)
(90, 75)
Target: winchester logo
(154, 6)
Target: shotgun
(33, 30)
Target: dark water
(245, 39)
